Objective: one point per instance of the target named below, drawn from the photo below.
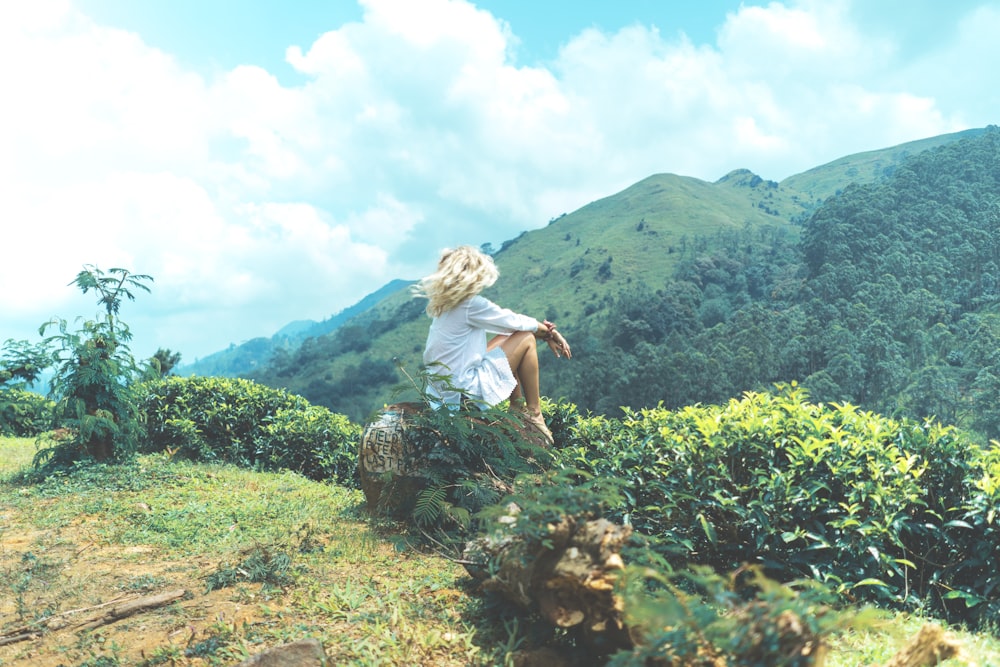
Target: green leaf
(969, 599)
(708, 528)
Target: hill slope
(244, 358)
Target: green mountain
(255, 353)
(827, 180)
(674, 290)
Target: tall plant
(94, 370)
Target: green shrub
(23, 413)
(314, 441)
(896, 512)
(239, 421)
(697, 617)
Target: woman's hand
(556, 342)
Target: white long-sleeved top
(456, 347)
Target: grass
(104, 532)
(295, 559)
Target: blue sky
(272, 161)
(208, 34)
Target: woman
(457, 355)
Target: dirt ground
(68, 572)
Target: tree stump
(567, 578)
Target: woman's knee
(525, 342)
(518, 345)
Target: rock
(931, 646)
(303, 653)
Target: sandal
(537, 422)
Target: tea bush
(896, 512)
(24, 413)
(239, 421)
(698, 617)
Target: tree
(94, 373)
(164, 361)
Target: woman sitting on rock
(461, 362)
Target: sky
(268, 161)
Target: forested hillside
(680, 291)
(889, 301)
(249, 355)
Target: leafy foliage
(24, 413)
(22, 361)
(546, 497)
(94, 371)
(890, 511)
(468, 459)
(239, 421)
(464, 458)
(697, 617)
(164, 361)
(266, 565)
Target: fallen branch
(17, 636)
(116, 610)
(133, 607)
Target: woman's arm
(485, 314)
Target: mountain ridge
(245, 357)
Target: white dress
(456, 349)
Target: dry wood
(17, 636)
(569, 579)
(931, 646)
(116, 610)
(133, 607)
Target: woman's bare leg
(522, 355)
(515, 396)
(496, 340)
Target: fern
(430, 505)
(468, 459)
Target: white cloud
(253, 202)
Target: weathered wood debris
(568, 578)
(91, 617)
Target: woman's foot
(517, 407)
(537, 422)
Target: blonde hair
(461, 273)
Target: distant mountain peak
(746, 179)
